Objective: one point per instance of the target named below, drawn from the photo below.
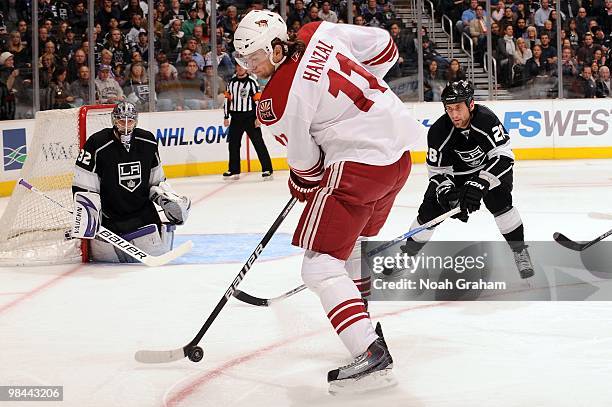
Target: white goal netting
(32, 229)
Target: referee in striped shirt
(241, 96)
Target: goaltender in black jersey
(118, 178)
(469, 160)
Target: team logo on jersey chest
(265, 110)
(472, 158)
(129, 175)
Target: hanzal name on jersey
(314, 67)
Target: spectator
(118, 73)
(26, 37)
(506, 49)
(21, 53)
(521, 56)
(550, 30)
(454, 72)
(230, 21)
(405, 48)
(192, 45)
(478, 27)
(68, 46)
(116, 45)
(75, 64)
(532, 37)
(174, 38)
(192, 86)
(584, 85)
(467, 16)
(136, 87)
(433, 82)
(359, 20)
(142, 46)
(373, 14)
(326, 13)
(298, 13)
(163, 15)
(521, 12)
(80, 87)
(185, 57)
(498, 14)
(598, 57)
(193, 21)
(47, 67)
(134, 8)
(225, 66)
(201, 10)
(430, 53)
(603, 84)
(202, 47)
(541, 14)
(605, 20)
(107, 88)
(585, 53)
(536, 66)
(7, 94)
(582, 23)
(214, 97)
(569, 65)
(78, 20)
(572, 34)
(43, 38)
(549, 53)
(521, 28)
(107, 12)
(168, 89)
(175, 12)
(58, 94)
(509, 18)
(134, 28)
(313, 15)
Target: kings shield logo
(266, 113)
(14, 147)
(129, 175)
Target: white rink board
(191, 137)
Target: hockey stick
(192, 350)
(265, 302)
(118, 241)
(573, 245)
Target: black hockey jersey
(483, 149)
(122, 178)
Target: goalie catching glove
(86, 215)
(176, 207)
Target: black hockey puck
(195, 354)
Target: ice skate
(523, 262)
(369, 371)
(267, 176)
(230, 176)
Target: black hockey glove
(448, 196)
(473, 191)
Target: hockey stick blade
(265, 302)
(192, 350)
(118, 241)
(573, 245)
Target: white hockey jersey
(331, 104)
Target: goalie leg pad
(146, 238)
(176, 207)
(86, 215)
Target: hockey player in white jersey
(348, 138)
(118, 176)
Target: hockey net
(33, 231)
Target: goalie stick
(192, 350)
(265, 302)
(573, 245)
(118, 241)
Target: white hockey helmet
(256, 31)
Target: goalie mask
(125, 119)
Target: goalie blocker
(120, 165)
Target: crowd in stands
(523, 32)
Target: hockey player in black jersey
(118, 176)
(469, 160)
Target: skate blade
(232, 178)
(268, 178)
(381, 379)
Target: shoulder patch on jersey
(266, 111)
(307, 31)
